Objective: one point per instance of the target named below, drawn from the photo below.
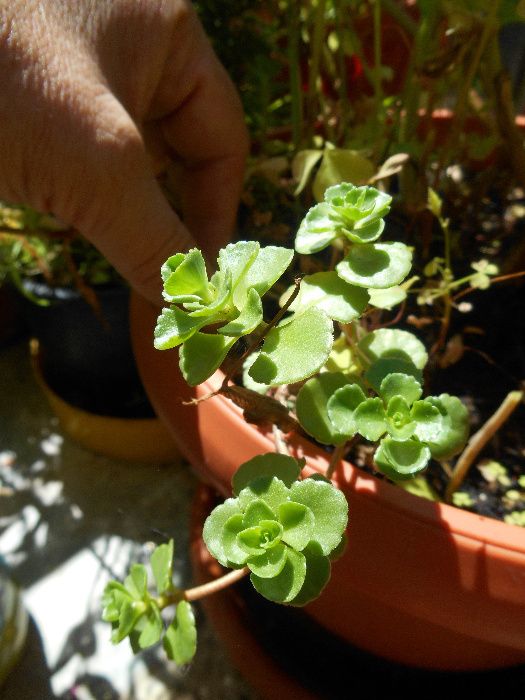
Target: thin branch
(216, 585)
(478, 441)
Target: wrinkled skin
(96, 95)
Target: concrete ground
(69, 521)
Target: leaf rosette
(355, 213)
(230, 301)
(284, 530)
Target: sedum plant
(281, 529)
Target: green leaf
(399, 423)
(370, 419)
(180, 640)
(388, 343)
(311, 407)
(285, 468)
(237, 258)
(317, 575)
(188, 277)
(295, 349)
(262, 274)
(286, 585)
(455, 426)
(113, 598)
(137, 581)
(398, 384)
(429, 421)
(387, 298)
(269, 563)
(174, 327)
(256, 511)
(235, 554)
(340, 165)
(298, 524)
(401, 459)
(220, 284)
(376, 265)
(152, 627)
(328, 292)
(247, 381)
(129, 615)
(250, 317)
(303, 165)
(212, 532)
(202, 354)
(382, 368)
(268, 488)
(341, 408)
(329, 508)
(316, 231)
(162, 566)
(266, 535)
(419, 486)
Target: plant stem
(500, 278)
(202, 591)
(478, 441)
(295, 76)
(378, 88)
(335, 459)
(216, 585)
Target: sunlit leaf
(370, 419)
(329, 508)
(202, 354)
(311, 407)
(399, 420)
(162, 566)
(174, 327)
(152, 627)
(298, 524)
(284, 467)
(341, 408)
(317, 575)
(454, 429)
(212, 532)
(180, 640)
(328, 292)
(398, 384)
(294, 350)
(387, 343)
(376, 265)
(286, 585)
(401, 459)
(249, 318)
(316, 231)
(265, 270)
(340, 165)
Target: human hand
(95, 96)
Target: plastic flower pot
(421, 583)
(129, 439)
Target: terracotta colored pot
(421, 583)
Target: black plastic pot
(85, 353)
